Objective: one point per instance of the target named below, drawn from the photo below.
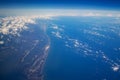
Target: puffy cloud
(115, 68)
(14, 25)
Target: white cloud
(55, 27)
(76, 43)
(115, 68)
(15, 24)
(58, 35)
(95, 33)
(1, 42)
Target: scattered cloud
(57, 34)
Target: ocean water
(83, 48)
(20, 54)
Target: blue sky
(93, 4)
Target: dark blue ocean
(83, 48)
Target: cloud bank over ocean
(14, 24)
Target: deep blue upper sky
(103, 4)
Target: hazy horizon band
(58, 12)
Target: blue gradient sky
(92, 4)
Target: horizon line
(58, 12)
